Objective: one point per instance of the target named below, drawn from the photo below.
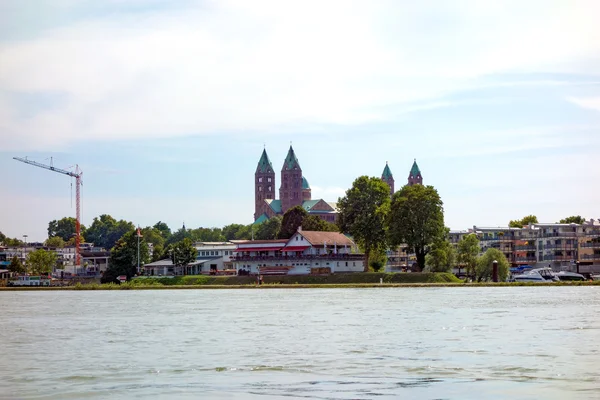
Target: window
(269, 180)
(260, 188)
(269, 188)
(259, 180)
(296, 238)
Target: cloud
(272, 67)
(592, 103)
(331, 193)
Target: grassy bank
(365, 280)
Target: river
(387, 343)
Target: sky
(166, 106)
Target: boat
(27, 280)
(540, 275)
(569, 276)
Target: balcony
(560, 234)
(592, 257)
(307, 257)
(525, 260)
(590, 245)
(525, 248)
(553, 257)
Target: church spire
(264, 164)
(291, 162)
(414, 177)
(388, 178)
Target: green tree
(158, 252)
(416, 219)
(64, 228)
(468, 250)
(153, 236)
(179, 235)
(363, 212)
(164, 229)
(183, 252)
(315, 223)
(55, 242)
(441, 257)
(292, 219)
(206, 235)
(16, 266)
(519, 223)
(123, 257)
(41, 261)
(230, 231)
(574, 219)
(484, 265)
(378, 260)
(2, 237)
(105, 231)
(244, 233)
(269, 229)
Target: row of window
(216, 253)
(260, 180)
(260, 189)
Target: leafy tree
(16, 266)
(292, 219)
(416, 219)
(468, 250)
(378, 260)
(163, 228)
(484, 265)
(269, 229)
(153, 236)
(55, 241)
(41, 261)
(574, 219)
(363, 212)
(244, 233)
(64, 228)
(207, 235)
(2, 237)
(519, 223)
(230, 231)
(183, 252)
(10, 242)
(179, 235)
(315, 223)
(105, 231)
(158, 252)
(123, 257)
(441, 257)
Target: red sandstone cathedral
(294, 189)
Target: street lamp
(139, 235)
(24, 246)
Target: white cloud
(330, 194)
(592, 103)
(268, 66)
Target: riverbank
(362, 280)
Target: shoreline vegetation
(357, 280)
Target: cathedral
(294, 189)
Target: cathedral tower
(290, 191)
(388, 178)
(264, 183)
(415, 178)
(306, 191)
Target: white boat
(569, 276)
(540, 275)
(26, 280)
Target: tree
(519, 223)
(179, 235)
(416, 219)
(468, 250)
(183, 252)
(2, 237)
(315, 223)
(230, 231)
(292, 219)
(484, 265)
(441, 257)
(153, 236)
(64, 228)
(105, 231)
(16, 266)
(378, 260)
(206, 235)
(574, 219)
(269, 229)
(164, 229)
(41, 261)
(55, 241)
(123, 257)
(158, 252)
(363, 212)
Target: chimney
(300, 228)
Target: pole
(495, 271)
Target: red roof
(295, 248)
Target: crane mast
(77, 175)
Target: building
(294, 190)
(306, 252)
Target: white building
(306, 252)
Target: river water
(413, 343)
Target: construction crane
(78, 182)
